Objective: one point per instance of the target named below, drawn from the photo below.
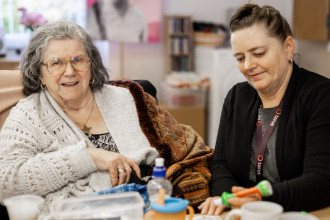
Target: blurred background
(181, 46)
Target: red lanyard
(261, 140)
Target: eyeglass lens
(58, 65)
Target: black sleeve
(3, 213)
(222, 179)
(310, 190)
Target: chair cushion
(11, 86)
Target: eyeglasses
(57, 66)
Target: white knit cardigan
(43, 152)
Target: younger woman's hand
(208, 207)
(114, 163)
(237, 202)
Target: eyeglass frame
(66, 65)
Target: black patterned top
(104, 141)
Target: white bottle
(159, 181)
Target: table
(322, 214)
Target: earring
(92, 82)
(43, 86)
(291, 60)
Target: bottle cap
(159, 170)
(159, 162)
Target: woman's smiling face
(262, 59)
(72, 85)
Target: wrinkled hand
(208, 207)
(111, 161)
(238, 202)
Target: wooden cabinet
(312, 20)
(192, 116)
(179, 51)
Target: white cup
(261, 210)
(296, 216)
(23, 207)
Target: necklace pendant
(87, 130)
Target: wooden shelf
(183, 35)
(179, 47)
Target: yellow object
(161, 197)
(166, 216)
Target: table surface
(321, 214)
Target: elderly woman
(276, 125)
(73, 135)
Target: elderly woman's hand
(114, 162)
(208, 207)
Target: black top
(104, 141)
(302, 142)
(270, 171)
(3, 213)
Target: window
(72, 10)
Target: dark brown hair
(250, 14)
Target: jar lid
(172, 205)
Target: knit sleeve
(32, 162)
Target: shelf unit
(179, 43)
(312, 20)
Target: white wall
(314, 56)
(147, 61)
(217, 10)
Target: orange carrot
(249, 191)
(161, 197)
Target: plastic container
(296, 216)
(159, 181)
(125, 206)
(23, 207)
(175, 97)
(174, 209)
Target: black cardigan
(302, 142)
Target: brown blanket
(186, 156)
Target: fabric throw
(186, 156)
